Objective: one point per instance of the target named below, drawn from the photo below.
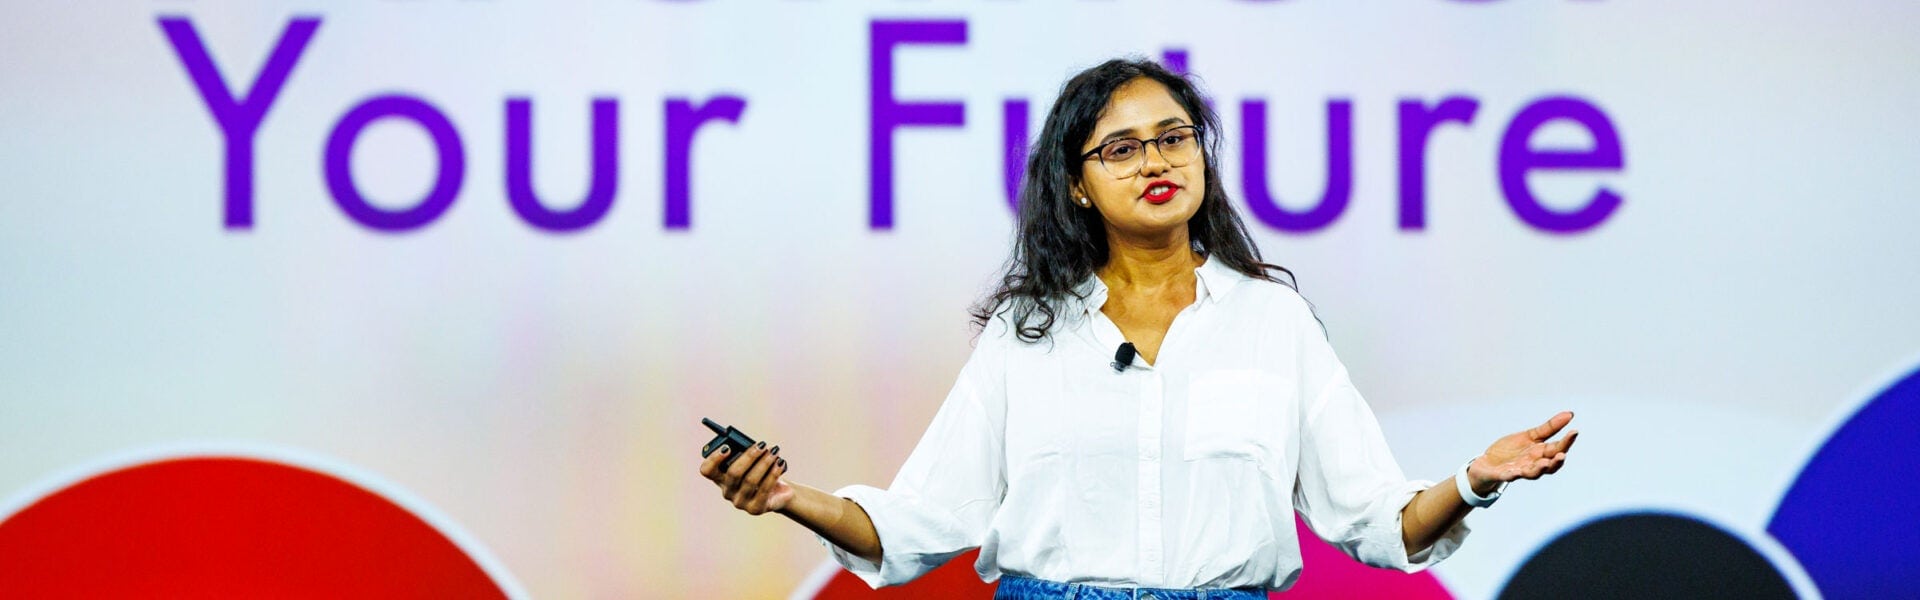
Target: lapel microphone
(1123, 357)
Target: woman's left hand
(1523, 455)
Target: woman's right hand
(752, 483)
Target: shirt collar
(1215, 281)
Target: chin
(1174, 213)
(1181, 204)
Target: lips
(1160, 191)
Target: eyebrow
(1129, 132)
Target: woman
(1076, 470)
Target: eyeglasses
(1123, 158)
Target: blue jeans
(1022, 588)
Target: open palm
(1524, 455)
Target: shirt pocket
(1235, 414)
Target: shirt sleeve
(946, 494)
(1349, 489)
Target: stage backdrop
(417, 295)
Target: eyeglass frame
(1199, 139)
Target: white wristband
(1466, 491)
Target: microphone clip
(1123, 357)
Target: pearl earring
(1084, 202)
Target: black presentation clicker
(728, 436)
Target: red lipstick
(1159, 191)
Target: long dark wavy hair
(1061, 244)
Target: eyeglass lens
(1123, 158)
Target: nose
(1152, 162)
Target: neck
(1149, 263)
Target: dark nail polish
(726, 449)
(783, 463)
(776, 450)
(760, 445)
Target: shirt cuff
(868, 572)
(1433, 554)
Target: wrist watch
(1466, 491)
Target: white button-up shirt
(1181, 474)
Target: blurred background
(287, 233)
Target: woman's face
(1144, 195)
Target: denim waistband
(1024, 588)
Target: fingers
(1538, 468)
(1533, 466)
(737, 473)
(750, 484)
(1530, 469)
(1552, 426)
(1564, 444)
(750, 481)
(757, 503)
(710, 466)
